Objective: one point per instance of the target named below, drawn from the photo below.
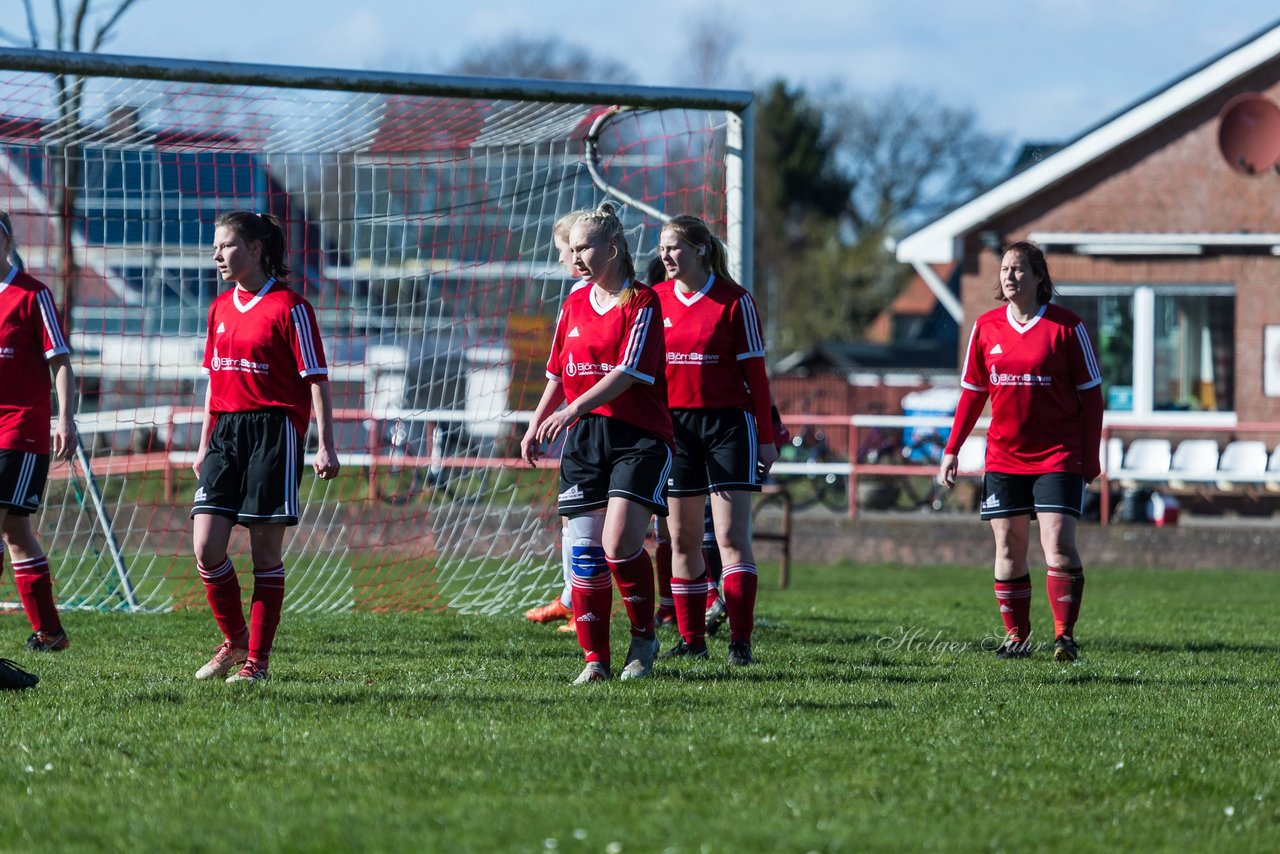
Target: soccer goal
(419, 212)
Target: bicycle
(828, 489)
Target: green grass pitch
(874, 720)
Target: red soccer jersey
(711, 337)
(592, 339)
(30, 335)
(263, 352)
(1034, 374)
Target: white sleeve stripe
(636, 339)
(751, 320)
(968, 352)
(642, 377)
(972, 387)
(755, 354)
(49, 315)
(1090, 358)
(301, 322)
(1090, 384)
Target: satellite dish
(1249, 133)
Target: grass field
(874, 720)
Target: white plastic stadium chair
(1145, 460)
(1243, 462)
(1195, 461)
(1113, 460)
(1272, 476)
(972, 458)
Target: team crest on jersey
(573, 333)
(571, 367)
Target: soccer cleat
(716, 615)
(685, 650)
(252, 671)
(665, 618)
(1065, 649)
(42, 642)
(1014, 649)
(740, 653)
(640, 656)
(549, 613)
(14, 678)
(595, 671)
(227, 658)
(567, 629)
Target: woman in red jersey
(720, 408)
(267, 372)
(561, 608)
(606, 366)
(31, 347)
(1035, 361)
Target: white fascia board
(939, 242)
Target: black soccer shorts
(252, 469)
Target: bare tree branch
(104, 31)
(31, 23)
(78, 27)
(57, 23)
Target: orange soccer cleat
(549, 613)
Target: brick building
(1170, 254)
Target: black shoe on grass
(1065, 649)
(740, 653)
(14, 678)
(684, 650)
(1014, 649)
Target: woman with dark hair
(267, 373)
(32, 347)
(1036, 364)
(720, 408)
(606, 367)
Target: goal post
(418, 211)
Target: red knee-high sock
(691, 612)
(264, 611)
(739, 582)
(634, 575)
(1014, 598)
(35, 590)
(1065, 588)
(222, 589)
(662, 562)
(592, 601)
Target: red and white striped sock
(264, 611)
(1014, 599)
(35, 590)
(739, 583)
(222, 590)
(592, 601)
(1065, 588)
(634, 576)
(691, 612)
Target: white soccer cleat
(251, 672)
(595, 671)
(640, 658)
(227, 658)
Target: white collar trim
(235, 296)
(1023, 327)
(690, 299)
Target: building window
(1162, 348)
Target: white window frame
(1144, 332)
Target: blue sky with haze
(1035, 70)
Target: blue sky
(1034, 70)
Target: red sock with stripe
(1065, 588)
(264, 611)
(222, 589)
(634, 576)
(35, 590)
(739, 583)
(691, 612)
(662, 563)
(1014, 598)
(592, 601)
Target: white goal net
(419, 214)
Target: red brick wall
(1171, 179)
